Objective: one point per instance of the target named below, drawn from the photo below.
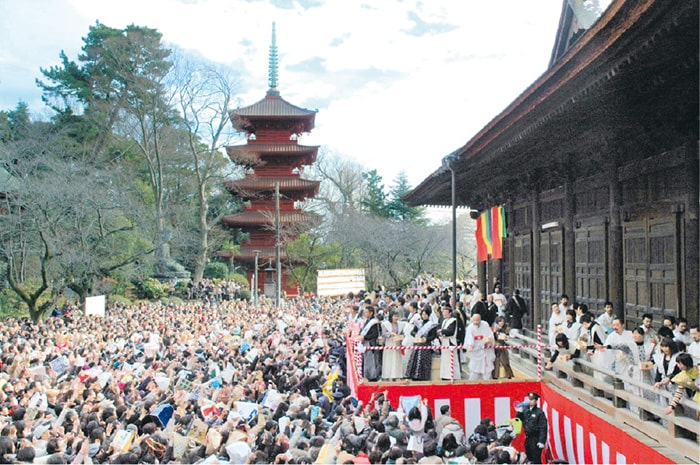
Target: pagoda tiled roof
(287, 184)
(265, 255)
(273, 106)
(247, 252)
(253, 148)
(267, 218)
(252, 153)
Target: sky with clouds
(398, 84)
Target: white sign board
(340, 282)
(95, 305)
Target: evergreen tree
(374, 200)
(14, 123)
(119, 70)
(398, 209)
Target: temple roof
(272, 148)
(272, 108)
(287, 184)
(247, 253)
(633, 76)
(263, 219)
(252, 153)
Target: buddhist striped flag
(482, 253)
(483, 236)
(498, 231)
(486, 230)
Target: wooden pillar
(509, 287)
(536, 305)
(615, 271)
(569, 242)
(481, 278)
(690, 278)
(496, 274)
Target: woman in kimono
(665, 363)
(392, 332)
(369, 335)
(501, 366)
(421, 362)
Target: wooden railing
(620, 397)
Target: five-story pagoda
(274, 162)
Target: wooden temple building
(273, 183)
(596, 163)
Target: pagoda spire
(272, 70)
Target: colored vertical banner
(482, 253)
(498, 231)
(486, 230)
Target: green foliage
(313, 252)
(374, 200)
(396, 207)
(240, 279)
(244, 294)
(216, 270)
(14, 123)
(377, 203)
(152, 289)
(181, 288)
(11, 306)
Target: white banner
(340, 282)
(95, 305)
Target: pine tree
(398, 209)
(374, 201)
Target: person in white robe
(605, 319)
(392, 332)
(556, 325)
(618, 348)
(479, 342)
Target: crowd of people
(223, 381)
(213, 290)
(663, 359)
(206, 381)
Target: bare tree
(343, 184)
(65, 223)
(204, 95)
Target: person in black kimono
(369, 334)
(516, 308)
(421, 362)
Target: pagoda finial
(272, 73)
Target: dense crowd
(666, 358)
(200, 382)
(221, 381)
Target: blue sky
(397, 84)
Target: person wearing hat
(535, 425)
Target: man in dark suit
(535, 427)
